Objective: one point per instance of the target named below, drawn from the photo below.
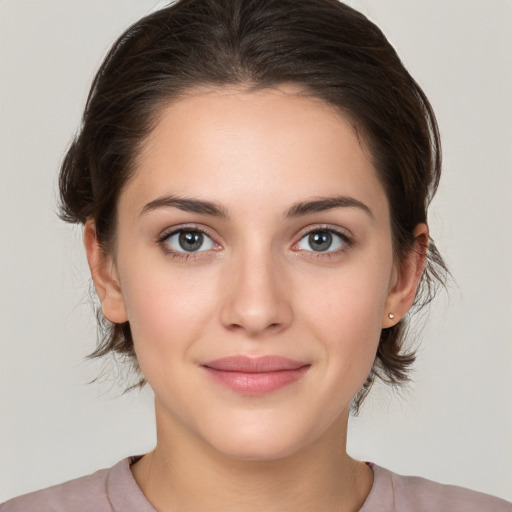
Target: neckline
(126, 496)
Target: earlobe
(407, 278)
(104, 276)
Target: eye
(189, 240)
(323, 240)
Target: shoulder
(106, 490)
(79, 494)
(405, 493)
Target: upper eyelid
(346, 239)
(164, 236)
(166, 233)
(343, 232)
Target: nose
(256, 295)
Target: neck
(184, 473)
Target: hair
(329, 49)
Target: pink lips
(255, 375)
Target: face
(253, 260)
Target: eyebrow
(187, 205)
(326, 203)
(297, 210)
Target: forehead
(274, 143)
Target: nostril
(255, 330)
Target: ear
(104, 276)
(406, 279)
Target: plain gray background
(454, 424)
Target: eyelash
(187, 256)
(345, 239)
(182, 255)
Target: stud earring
(391, 316)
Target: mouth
(255, 376)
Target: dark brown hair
(332, 51)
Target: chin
(258, 451)
(259, 441)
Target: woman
(253, 179)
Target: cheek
(346, 315)
(167, 311)
(350, 300)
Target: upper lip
(261, 364)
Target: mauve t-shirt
(115, 490)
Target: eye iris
(191, 240)
(320, 241)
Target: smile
(255, 376)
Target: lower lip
(257, 384)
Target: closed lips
(255, 376)
(262, 364)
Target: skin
(257, 288)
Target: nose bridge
(255, 299)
